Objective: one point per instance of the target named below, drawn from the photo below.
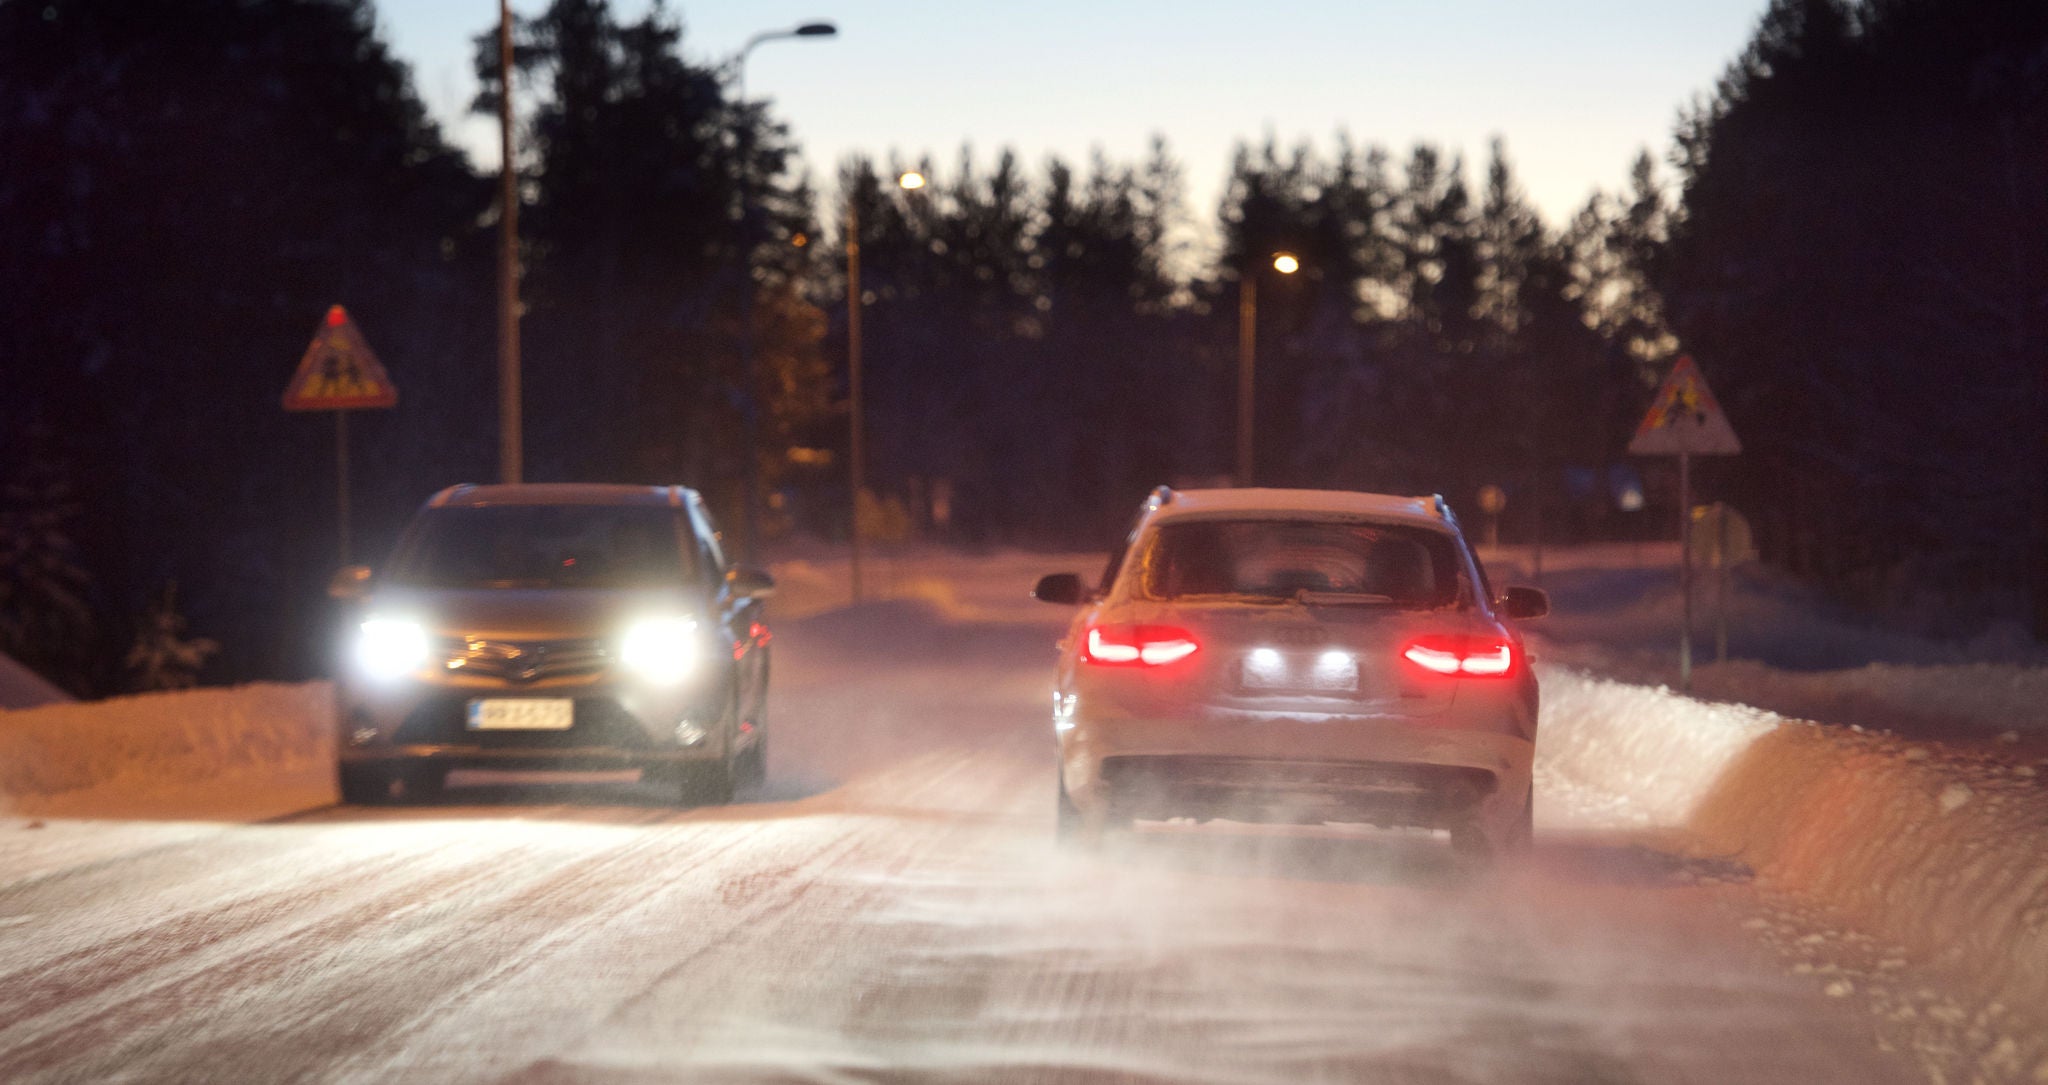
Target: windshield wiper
(1308, 597)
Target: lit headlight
(660, 649)
(391, 647)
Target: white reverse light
(660, 649)
(391, 647)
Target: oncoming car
(555, 627)
(1296, 656)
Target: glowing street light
(1247, 349)
(856, 438)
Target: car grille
(597, 722)
(526, 661)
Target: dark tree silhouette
(1858, 267)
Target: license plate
(522, 714)
(1330, 672)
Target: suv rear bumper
(1381, 771)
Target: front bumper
(1393, 772)
(613, 725)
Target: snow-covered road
(889, 908)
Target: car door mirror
(1062, 588)
(747, 581)
(1525, 603)
(351, 583)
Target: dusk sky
(1575, 87)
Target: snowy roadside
(243, 752)
(1938, 849)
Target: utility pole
(511, 440)
(856, 448)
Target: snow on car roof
(1256, 501)
(558, 493)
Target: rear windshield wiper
(1341, 598)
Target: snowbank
(164, 743)
(1942, 851)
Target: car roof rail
(675, 496)
(1443, 509)
(1161, 496)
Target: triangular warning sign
(338, 372)
(1685, 418)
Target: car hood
(531, 614)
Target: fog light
(690, 734)
(362, 736)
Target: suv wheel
(1071, 825)
(1471, 840)
(753, 764)
(364, 785)
(710, 783)
(1074, 826)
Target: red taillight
(1137, 645)
(1472, 657)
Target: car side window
(1117, 554)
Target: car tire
(1070, 826)
(1522, 834)
(1471, 840)
(753, 764)
(421, 783)
(710, 783)
(1075, 827)
(364, 785)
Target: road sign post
(1685, 420)
(339, 373)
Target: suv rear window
(543, 546)
(1276, 560)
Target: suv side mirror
(1525, 602)
(745, 580)
(1062, 588)
(351, 583)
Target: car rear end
(1282, 682)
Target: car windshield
(1305, 560)
(543, 546)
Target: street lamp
(751, 423)
(856, 439)
(1247, 349)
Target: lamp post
(1247, 355)
(856, 438)
(751, 420)
(511, 441)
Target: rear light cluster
(1471, 657)
(1137, 645)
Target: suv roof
(560, 493)
(1177, 504)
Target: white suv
(1296, 656)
